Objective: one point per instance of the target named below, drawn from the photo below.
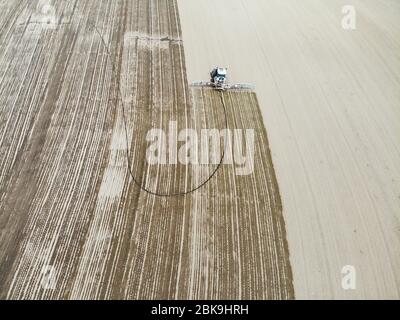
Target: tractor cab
(220, 72)
(218, 77)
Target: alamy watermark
(349, 277)
(349, 18)
(190, 147)
(45, 13)
(48, 277)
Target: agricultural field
(83, 213)
(127, 173)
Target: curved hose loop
(135, 180)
